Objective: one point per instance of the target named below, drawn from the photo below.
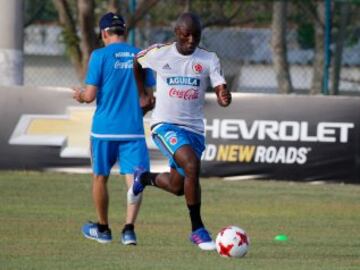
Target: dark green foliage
(306, 35)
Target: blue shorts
(130, 155)
(169, 138)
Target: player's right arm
(147, 99)
(87, 94)
(92, 80)
(139, 73)
(145, 60)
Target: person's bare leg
(186, 158)
(101, 198)
(172, 182)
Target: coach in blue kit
(117, 132)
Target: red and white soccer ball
(232, 241)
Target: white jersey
(181, 83)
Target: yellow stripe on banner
(76, 128)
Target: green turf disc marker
(281, 237)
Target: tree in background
(78, 20)
(344, 19)
(279, 49)
(316, 11)
(319, 59)
(211, 12)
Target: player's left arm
(87, 94)
(223, 95)
(217, 80)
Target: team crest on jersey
(171, 137)
(198, 68)
(173, 140)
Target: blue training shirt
(118, 114)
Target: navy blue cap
(111, 20)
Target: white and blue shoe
(128, 237)
(137, 186)
(202, 239)
(90, 230)
(134, 192)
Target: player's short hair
(112, 23)
(115, 30)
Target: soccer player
(117, 132)
(184, 71)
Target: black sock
(103, 227)
(128, 227)
(148, 179)
(195, 217)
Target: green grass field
(41, 215)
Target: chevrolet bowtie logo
(70, 131)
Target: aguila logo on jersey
(183, 81)
(198, 68)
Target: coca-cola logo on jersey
(186, 94)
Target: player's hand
(77, 94)
(224, 97)
(147, 103)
